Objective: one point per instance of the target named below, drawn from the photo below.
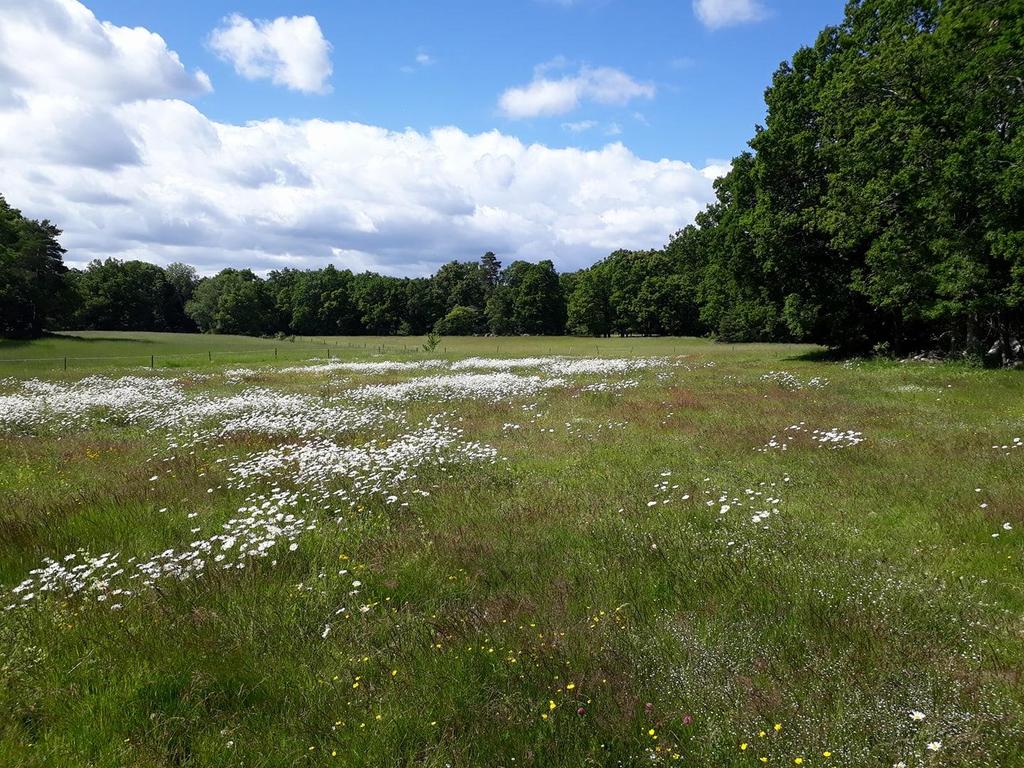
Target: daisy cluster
(832, 438)
(130, 399)
(375, 469)
(372, 368)
(611, 386)
(267, 412)
(552, 365)
(759, 504)
(162, 403)
(563, 366)
(579, 428)
(457, 386)
(787, 380)
(320, 474)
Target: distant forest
(879, 209)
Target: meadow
(506, 552)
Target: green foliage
(32, 284)
(431, 342)
(883, 200)
(235, 301)
(461, 321)
(881, 206)
(132, 296)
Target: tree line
(879, 208)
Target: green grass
(877, 589)
(91, 351)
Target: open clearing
(530, 551)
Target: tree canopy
(32, 287)
(880, 207)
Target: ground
(507, 552)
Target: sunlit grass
(599, 594)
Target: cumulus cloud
(140, 174)
(289, 51)
(715, 168)
(723, 13)
(545, 96)
(59, 48)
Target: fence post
(152, 361)
(275, 353)
(328, 353)
(209, 355)
(65, 362)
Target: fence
(261, 354)
(312, 349)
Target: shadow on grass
(88, 339)
(823, 355)
(13, 345)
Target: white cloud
(715, 168)
(141, 174)
(290, 51)
(723, 13)
(579, 126)
(91, 61)
(421, 60)
(544, 96)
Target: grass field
(618, 552)
(90, 351)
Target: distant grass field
(731, 556)
(99, 350)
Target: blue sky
(390, 136)
(710, 82)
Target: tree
(182, 280)
(460, 283)
(319, 302)
(233, 301)
(491, 269)
(882, 201)
(461, 321)
(538, 306)
(125, 296)
(589, 311)
(32, 274)
(381, 302)
(422, 309)
(499, 312)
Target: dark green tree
(233, 301)
(32, 274)
(461, 321)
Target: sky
(389, 136)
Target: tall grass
(599, 595)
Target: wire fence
(311, 349)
